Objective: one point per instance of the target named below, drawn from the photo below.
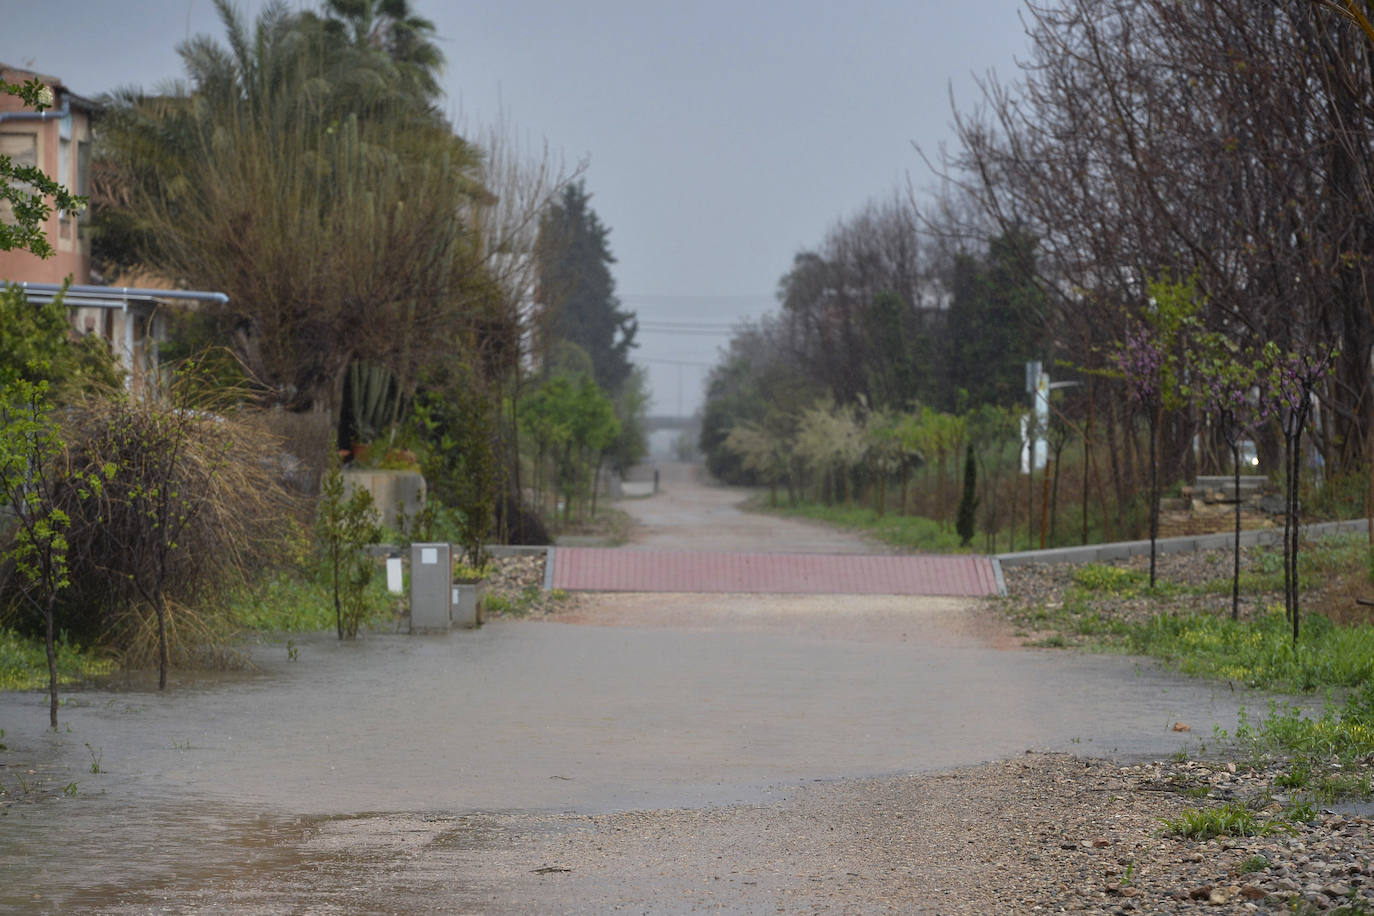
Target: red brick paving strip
(594, 569)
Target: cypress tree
(968, 503)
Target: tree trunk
(1115, 463)
(1154, 493)
(51, 647)
(334, 566)
(1011, 520)
(161, 605)
(1291, 572)
(1045, 505)
(1087, 464)
(596, 480)
(1235, 571)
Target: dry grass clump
(188, 504)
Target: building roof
(59, 88)
(118, 297)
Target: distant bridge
(655, 423)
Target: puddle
(1354, 808)
(245, 775)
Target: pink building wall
(64, 231)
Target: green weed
(95, 758)
(290, 602)
(1227, 820)
(1300, 811)
(1259, 652)
(24, 662)
(1117, 580)
(1254, 864)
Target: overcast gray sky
(722, 137)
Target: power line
(690, 325)
(672, 362)
(702, 297)
(689, 332)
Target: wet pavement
(375, 776)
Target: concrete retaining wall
(394, 492)
(1100, 553)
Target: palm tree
(391, 28)
(293, 174)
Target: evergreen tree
(996, 318)
(965, 523)
(577, 291)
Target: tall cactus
(368, 388)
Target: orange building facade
(58, 141)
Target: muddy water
(217, 777)
(371, 776)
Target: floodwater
(312, 783)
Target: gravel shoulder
(1039, 833)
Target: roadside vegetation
(911, 532)
(1185, 622)
(1185, 619)
(1050, 313)
(398, 295)
(24, 665)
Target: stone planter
(469, 604)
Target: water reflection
(258, 777)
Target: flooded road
(387, 775)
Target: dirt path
(690, 513)
(664, 754)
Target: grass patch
(1342, 734)
(1326, 757)
(1099, 580)
(1230, 819)
(289, 601)
(24, 663)
(1260, 652)
(516, 605)
(909, 531)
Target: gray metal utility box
(431, 580)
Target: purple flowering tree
(1224, 386)
(1140, 359)
(1292, 378)
(1151, 359)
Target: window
(23, 151)
(83, 175)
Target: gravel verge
(1042, 833)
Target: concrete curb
(997, 572)
(549, 556)
(1101, 553)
